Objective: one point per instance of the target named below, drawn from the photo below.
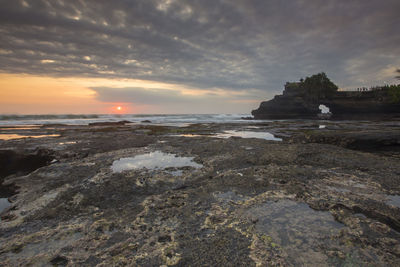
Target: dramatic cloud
(236, 45)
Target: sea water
(84, 119)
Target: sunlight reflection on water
(295, 227)
(153, 161)
(18, 136)
(4, 203)
(393, 200)
(249, 134)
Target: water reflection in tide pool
(33, 127)
(19, 136)
(296, 228)
(4, 203)
(393, 200)
(68, 143)
(189, 135)
(154, 161)
(249, 134)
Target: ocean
(84, 119)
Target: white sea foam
(180, 120)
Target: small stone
(254, 220)
(163, 239)
(17, 248)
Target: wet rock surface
(312, 199)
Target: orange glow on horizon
(30, 94)
(123, 108)
(35, 94)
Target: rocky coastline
(320, 193)
(301, 101)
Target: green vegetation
(317, 87)
(292, 85)
(393, 92)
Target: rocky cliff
(369, 104)
(299, 100)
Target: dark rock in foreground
(314, 199)
(117, 123)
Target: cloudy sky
(186, 56)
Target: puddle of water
(153, 161)
(296, 228)
(357, 185)
(18, 136)
(143, 131)
(248, 134)
(176, 173)
(189, 135)
(172, 124)
(68, 143)
(229, 196)
(20, 128)
(322, 126)
(4, 203)
(393, 200)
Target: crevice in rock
(20, 163)
(391, 222)
(8, 190)
(382, 218)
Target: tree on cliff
(318, 87)
(394, 93)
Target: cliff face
(367, 104)
(283, 107)
(294, 103)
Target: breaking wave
(82, 119)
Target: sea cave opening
(325, 112)
(324, 109)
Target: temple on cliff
(296, 102)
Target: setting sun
(119, 108)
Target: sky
(186, 56)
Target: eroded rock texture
(309, 200)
